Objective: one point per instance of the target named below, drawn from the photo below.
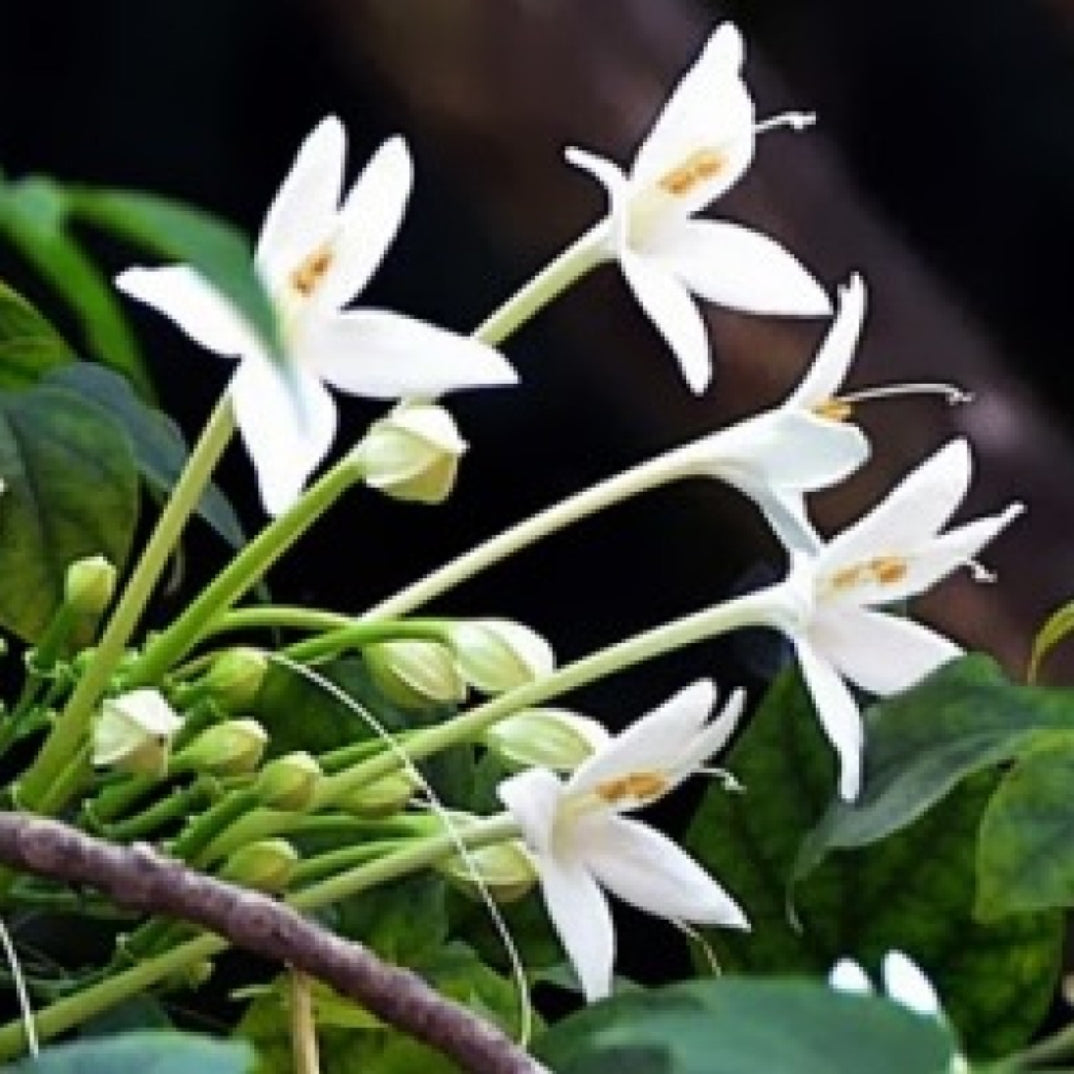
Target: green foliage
(29, 345)
(739, 1026)
(1056, 627)
(72, 491)
(146, 1052)
(914, 891)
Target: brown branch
(141, 879)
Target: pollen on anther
(834, 409)
(638, 787)
(700, 165)
(306, 277)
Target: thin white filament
(797, 121)
(26, 1011)
(951, 393)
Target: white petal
(286, 437)
(381, 355)
(838, 715)
(193, 304)
(906, 984)
(836, 352)
(848, 976)
(533, 799)
(303, 214)
(881, 653)
(710, 111)
(611, 177)
(737, 267)
(368, 222)
(911, 514)
(646, 869)
(580, 914)
(668, 305)
(785, 512)
(713, 736)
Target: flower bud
(545, 738)
(289, 782)
(496, 655)
(231, 748)
(133, 733)
(266, 865)
(415, 674)
(235, 677)
(505, 870)
(412, 454)
(89, 584)
(382, 798)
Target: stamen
(728, 780)
(979, 572)
(699, 166)
(797, 121)
(883, 570)
(834, 409)
(637, 786)
(951, 393)
(305, 278)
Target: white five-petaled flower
(830, 603)
(314, 254)
(699, 146)
(581, 842)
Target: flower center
(699, 166)
(833, 409)
(883, 570)
(636, 787)
(309, 274)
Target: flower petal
(302, 216)
(382, 355)
(646, 869)
(836, 352)
(286, 437)
(668, 305)
(905, 983)
(737, 267)
(533, 798)
(838, 714)
(193, 304)
(847, 976)
(368, 222)
(611, 177)
(881, 653)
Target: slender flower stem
(71, 726)
(303, 1025)
(585, 253)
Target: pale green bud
(496, 655)
(382, 798)
(89, 584)
(231, 748)
(412, 454)
(236, 676)
(289, 782)
(415, 674)
(545, 738)
(133, 733)
(505, 870)
(266, 865)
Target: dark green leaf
(913, 892)
(72, 491)
(144, 1052)
(29, 345)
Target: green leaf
(72, 492)
(737, 1026)
(29, 345)
(919, 745)
(32, 216)
(912, 892)
(144, 1052)
(180, 233)
(1056, 627)
(159, 449)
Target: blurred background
(942, 167)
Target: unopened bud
(133, 733)
(266, 865)
(496, 655)
(235, 677)
(412, 454)
(189, 977)
(415, 674)
(382, 798)
(231, 748)
(545, 738)
(289, 782)
(89, 584)
(505, 871)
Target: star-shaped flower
(314, 254)
(699, 146)
(581, 842)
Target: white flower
(700, 144)
(314, 255)
(828, 604)
(581, 842)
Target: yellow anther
(638, 787)
(884, 570)
(696, 168)
(306, 277)
(834, 409)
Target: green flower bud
(235, 677)
(496, 655)
(415, 674)
(412, 454)
(545, 738)
(89, 584)
(231, 748)
(289, 782)
(266, 865)
(386, 796)
(506, 871)
(133, 733)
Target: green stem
(244, 571)
(73, 723)
(181, 802)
